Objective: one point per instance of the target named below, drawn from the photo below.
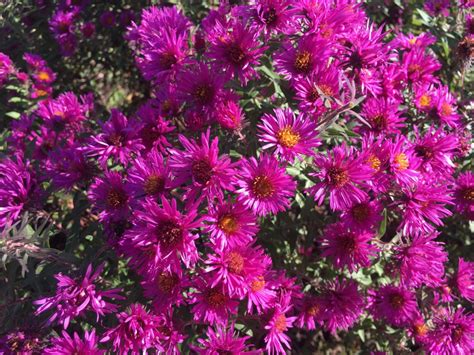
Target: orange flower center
(262, 187)
(44, 76)
(235, 262)
(446, 109)
(287, 137)
(280, 323)
(402, 161)
(397, 301)
(303, 61)
(228, 224)
(468, 194)
(425, 100)
(379, 122)
(457, 333)
(258, 284)
(374, 162)
(153, 184)
(312, 310)
(420, 329)
(338, 177)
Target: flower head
(223, 341)
(464, 194)
(66, 344)
(465, 279)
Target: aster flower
(421, 261)
(62, 23)
(165, 57)
(288, 135)
(110, 196)
(401, 162)
(437, 7)
(465, 279)
(396, 305)
(118, 140)
(235, 266)
(452, 333)
(210, 173)
(310, 312)
(383, 115)
(165, 289)
(272, 16)
(410, 41)
(418, 330)
(340, 173)
(314, 90)
(420, 67)
(149, 176)
(264, 186)
(230, 224)
(6, 68)
(434, 152)
(66, 344)
(260, 293)
(68, 167)
(21, 343)
(88, 29)
(212, 305)
(464, 194)
(297, 62)
(137, 331)
(222, 340)
(230, 116)
(343, 304)
(276, 327)
(162, 236)
(153, 129)
(365, 215)
(423, 204)
(443, 108)
(235, 50)
(346, 247)
(17, 184)
(76, 296)
(107, 18)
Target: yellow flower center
(425, 100)
(402, 161)
(374, 162)
(228, 224)
(287, 137)
(262, 186)
(446, 109)
(44, 76)
(280, 323)
(258, 284)
(303, 61)
(338, 177)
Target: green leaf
(383, 225)
(13, 114)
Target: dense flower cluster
(184, 208)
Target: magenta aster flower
(288, 135)
(137, 331)
(437, 7)
(401, 162)
(343, 304)
(276, 327)
(453, 333)
(383, 115)
(264, 185)
(345, 247)
(464, 194)
(76, 296)
(88, 29)
(365, 215)
(396, 305)
(165, 288)
(260, 293)
(465, 279)
(310, 313)
(420, 67)
(16, 186)
(210, 174)
(424, 205)
(235, 266)
(410, 41)
(149, 176)
(314, 90)
(443, 109)
(107, 19)
(341, 173)
(21, 343)
(272, 16)
(153, 127)
(62, 23)
(162, 236)
(110, 196)
(118, 140)
(236, 50)
(212, 305)
(231, 224)
(421, 261)
(298, 62)
(66, 344)
(434, 152)
(223, 341)
(230, 116)
(6, 68)
(165, 57)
